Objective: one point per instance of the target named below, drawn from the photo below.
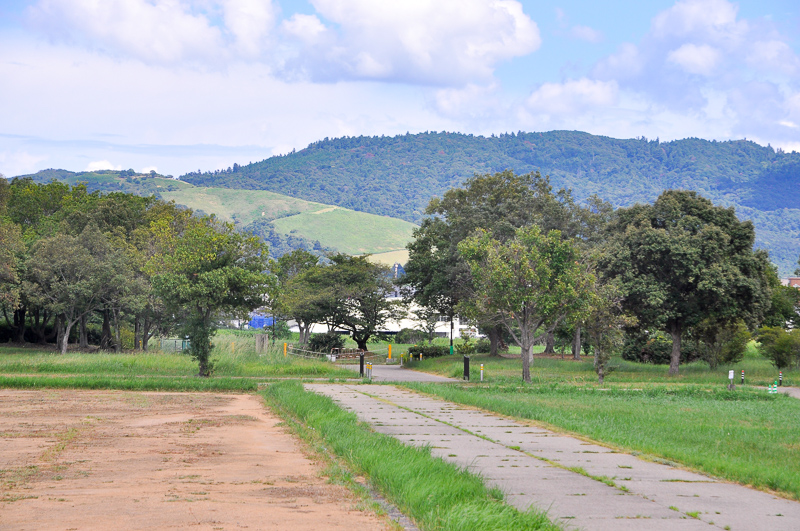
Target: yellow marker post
(233, 347)
(390, 351)
(284, 350)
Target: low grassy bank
(747, 436)
(436, 494)
(129, 383)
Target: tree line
(530, 263)
(523, 261)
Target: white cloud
(307, 28)
(572, 97)
(148, 169)
(251, 23)
(158, 31)
(714, 20)
(694, 59)
(773, 55)
(19, 162)
(585, 33)
(448, 42)
(101, 165)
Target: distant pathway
(396, 373)
(532, 466)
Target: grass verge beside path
(436, 494)
(746, 436)
(130, 383)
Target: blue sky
(180, 85)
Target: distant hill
(286, 223)
(397, 176)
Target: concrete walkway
(396, 373)
(562, 474)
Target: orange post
(284, 350)
(390, 351)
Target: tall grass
(745, 435)
(438, 495)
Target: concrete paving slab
(582, 484)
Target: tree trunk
(600, 375)
(675, 358)
(19, 325)
(361, 342)
(495, 333)
(83, 340)
(65, 338)
(59, 325)
(136, 333)
(105, 337)
(117, 338)
(576, 344)
(146, 324)
(527, 354)
(550, 343)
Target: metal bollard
(361, 365)
(780, 378)
(742, 376)
(466, 368)
(481, 371)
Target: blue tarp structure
(259, 321)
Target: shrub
(465, 347)
(780, 346)
(409, 336)
(326, 342)
(655, 348)
(428, 351)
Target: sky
(187, 85)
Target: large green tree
(204, 270)
(436, 274)
(681, 260)
(527, 281)
(350, 293)
(295, 298)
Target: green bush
(409, 336)
(655, 348)
(780, 346)
(428, 351)
(326, 342)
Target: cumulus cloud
(701, 59)
(148, 169)
(159, 31)
(695, 59)
(572, 97)
(450, 42)
(101, 165)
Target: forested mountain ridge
(397, 176)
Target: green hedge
(428, 351)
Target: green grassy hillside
(349, 231)
(285, 222)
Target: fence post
(361, 364)
(466, 368)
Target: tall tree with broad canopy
(437, 275)
(350, 294)
(527, 281)
(206, 269)
(681, 260)
(293, 298)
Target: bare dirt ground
(121, 460)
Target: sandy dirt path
(122, 460)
